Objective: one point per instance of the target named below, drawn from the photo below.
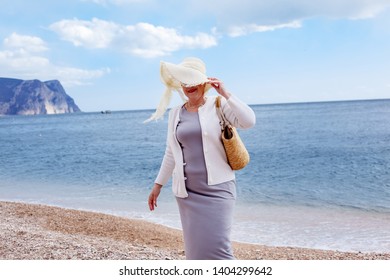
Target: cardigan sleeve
(238, 113)
(168, 162)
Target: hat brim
(174, 76)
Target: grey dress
(207, 213)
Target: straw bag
(236, 153)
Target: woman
(202, 180)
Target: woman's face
(194, 92)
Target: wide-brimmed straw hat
(190, 72)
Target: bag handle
(222, 119)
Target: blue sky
(106, 53)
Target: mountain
(33, 97)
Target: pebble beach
(40, 232)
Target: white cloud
(115, 2)
(90, 34)
(235, 31)
(142, 39)
(26, 43)
(234, 18)
(247, 16)
(285, 10)
(21, 57)
(76, 76)
(147, 40)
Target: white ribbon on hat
(163, 105)
(192, 71)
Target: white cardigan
(238, 114)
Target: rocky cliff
(32, 97)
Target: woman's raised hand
(219, 86)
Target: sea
(319, 175)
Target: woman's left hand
(219, 87)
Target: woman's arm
(237, 112)
(166, 169)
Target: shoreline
(41, 232)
